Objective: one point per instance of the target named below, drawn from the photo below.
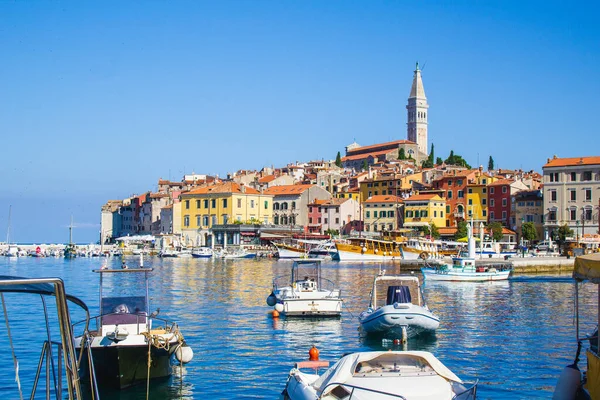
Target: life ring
(424, 255)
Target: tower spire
(417, 112)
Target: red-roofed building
(382, 213)
(356, 155)
(454, 184)
(290, 203)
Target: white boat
(379, 375)
(125, 335)
(397, 307)
(326, 251)
(502, 250)
(290, 250)
(175, 253)
(202, 252)
(464, 268)
(307, 294)
(230, 254)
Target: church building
(415, 146)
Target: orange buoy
(275, 314)
(313, 354)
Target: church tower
(417, 113)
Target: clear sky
(98, 100)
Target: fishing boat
(129, 346)
(70, 250)
(307, 293)
(572, 383)
(202, 252)
(464, 268)
(291, 251)
(397, 307)
(378, 375)
(370, 249)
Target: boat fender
(184, 354)
(271, 300)
(423, 255)
(313, 353)
(375, 251)
(363, 250)
(568, 383)
(279, 307)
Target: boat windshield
(124, 310)
(392, 363)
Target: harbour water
(514, 336)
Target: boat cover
(398, 294)
(343, 370)
(45, 289)
(587, 268)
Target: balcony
(458, 214)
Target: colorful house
(477, 197)
(382, 213)
(423, 210)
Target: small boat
(126, 337)
(307, 294)
(290, 250)
(326, 251)
(70, 250)
(175, 253)
(202, 252)
(378, 375)
(397, 307)
(572, 384)
(464, 268)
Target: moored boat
(126, 337)
(397, 307)
(307, 294)
(378, 375)
(202, 252)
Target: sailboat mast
(8, 228)
(71, 231)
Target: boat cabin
(399, 289)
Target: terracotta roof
(375, 146)
(380, 198)
(267, 179)
(502, 182)
(374, 154)
(318, 202)
(335, 201)
(574, 161)
(288, 189)
(421, 197)
(226, 187)
(158, 195)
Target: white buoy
(279, 307)
(568, 383)
(141, 260)
(184, 354)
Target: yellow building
(350, 194)
(389, 184)
(380, 213)
(424, 209)
(477, 197)
(221, 204)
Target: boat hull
(316, 307)
(392, 318)
(119, 367)
(463, 276)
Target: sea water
(513, 336)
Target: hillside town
(371, 190)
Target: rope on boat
(12, 347)
(347, 309)
(148, 373)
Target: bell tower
(417, 113)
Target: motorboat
(202, 252)
(378, 375)
(175, 253)
(572, 383)
(126, 337)
(465, 269)
(397, 307)
(231, 254)
(488, 249)
(307, 293)
(326, 251)
(290, 251)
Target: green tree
(338, 160)
(461, 230)
(435, 232)
(454, 159)
(364, 166)
(401, 154)
(431, 153)
(495, 229)
(439, 161)
(528, 231)
(491, 164)
(564, 232)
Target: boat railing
(361, 389)
(140, 319)
(470, 392)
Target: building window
(198, 220)
(186, 221)
(484, 201)
(491, 190)
(252, 204)
(484, 190)
(224, 203)
(449, 182)
(310, 209)
(319, 220)
(573, 195)
(552, 215)
(484, 213)
(205, 220)
(390, 214)
(266, 204)
(504, 215)
(197, 203)
(553, 195)
(573, 176)
(588, 194)
(459, 182)
(586, 176)
(449, 194)
(293, 205)
(573, 214)
(587, 214)
(213, 203)
(368, 214)
(434, 214)
(326, 220)
(504, 189)
(205, 203)
(337, 220)
(461, 194)
(239, 202)
(470, 190)
(374, 214)
(491, 215)
(470, 202)
(187, 204)
(491, 202)
(504, 202)
(214, 220)
(225, 218)
(310, 220)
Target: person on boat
(121, 309)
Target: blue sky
(100, 99)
